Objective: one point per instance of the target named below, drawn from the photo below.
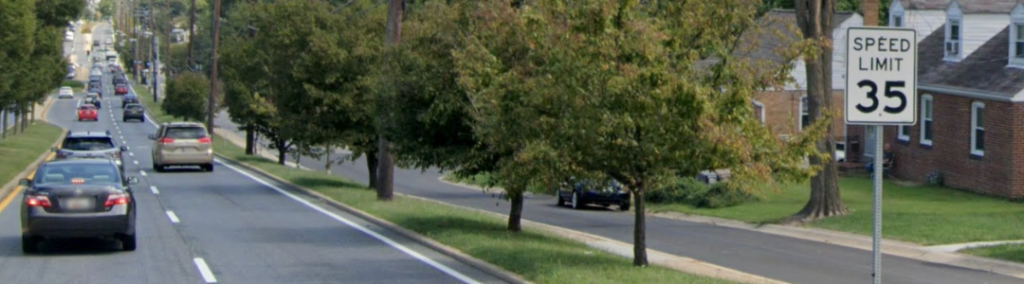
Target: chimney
(869, 8)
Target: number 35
(889, 92)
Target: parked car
(182, 144)
(120, 89)
(65, 92)
(88, 112)
(578, 193)
(134, 111)
(90, 144)
(129, 99)
(78, 198)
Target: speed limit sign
(881, 76)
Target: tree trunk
(386, 167)
(3, 123)
(250, 140)
(639, 228)
(211, 103)
(282, 151)
(24, 118)
(327, 164)
(814, 18)
(32, 114)
(371, 167)
(515, 214)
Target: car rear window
(63, 174)
(87, 143)
(185, 133)
(86, 107)
(134, 107)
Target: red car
(120, 89)
(88, 112)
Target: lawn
(536, 256)
(1013, 253)
(19, 151)
(146, 97)
(927, 215)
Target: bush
(186, 97)
(695, 193)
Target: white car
(65, 92)
(69, 36)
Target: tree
(614, 90)
(17, 28)
(814, 18)
(186, 96)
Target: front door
(869, 143)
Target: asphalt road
(226, 226)
(777, 257)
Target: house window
(1018, 43)
(758, 111)
(897, 21)
(804, 117)
(926, 120)
(978, 129)
(953, 39)
(904, 134)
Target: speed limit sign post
(881, 89)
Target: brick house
(785, 110)
(970, 128)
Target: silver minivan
(182, 144)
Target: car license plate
(77, 203)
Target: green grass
(927, 215)
(146, 98)
(1013, 253)
(19, 151)
(536, 256)
(73, 84)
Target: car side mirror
(124, 148)
(152, 137)
(25, 182)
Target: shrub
(186, 97)
(695, 193)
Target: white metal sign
(881, 76)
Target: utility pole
(191, 33)
(153, 48)
(385, 164)
(210, 104)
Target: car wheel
(561, 201)
(142, 119)
(29, 244)
(624, 206)
(208, 167)
(575, 201)
(158, 168)
(128, 242)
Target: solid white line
(155, 191)
(143, 173)
(136, 162)
(204, 270)
(174, 218)
(382, 238)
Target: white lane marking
(131, 154)
(174, 218)
(135, 162)
(155, 191)
(382, 238)
(204, 270)
(143, 173)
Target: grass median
(536, 256)
(1013, 253)
(146, 98)
(19, 151)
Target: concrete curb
(889, 247)
(430, 243)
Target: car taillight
(116, 199)
(204, 140)
(165, 140)
(37, 201)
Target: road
(777, 257)
(226, 226)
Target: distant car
(88, 112)
(69, 36)
(95, 87)
(120, 80)
(134, 111)
(578, 193)
(182, 144)
(65, 92)
(90, 144)
(120, 89)
(78, 198)
(93, 99)
(129, 99)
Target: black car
(134, 111)
(90, 144)
(78, 198)
(119, 79)
(582, 192)
(129, 99)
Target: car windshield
(87, 143)
(72, 173)
(186, 133)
